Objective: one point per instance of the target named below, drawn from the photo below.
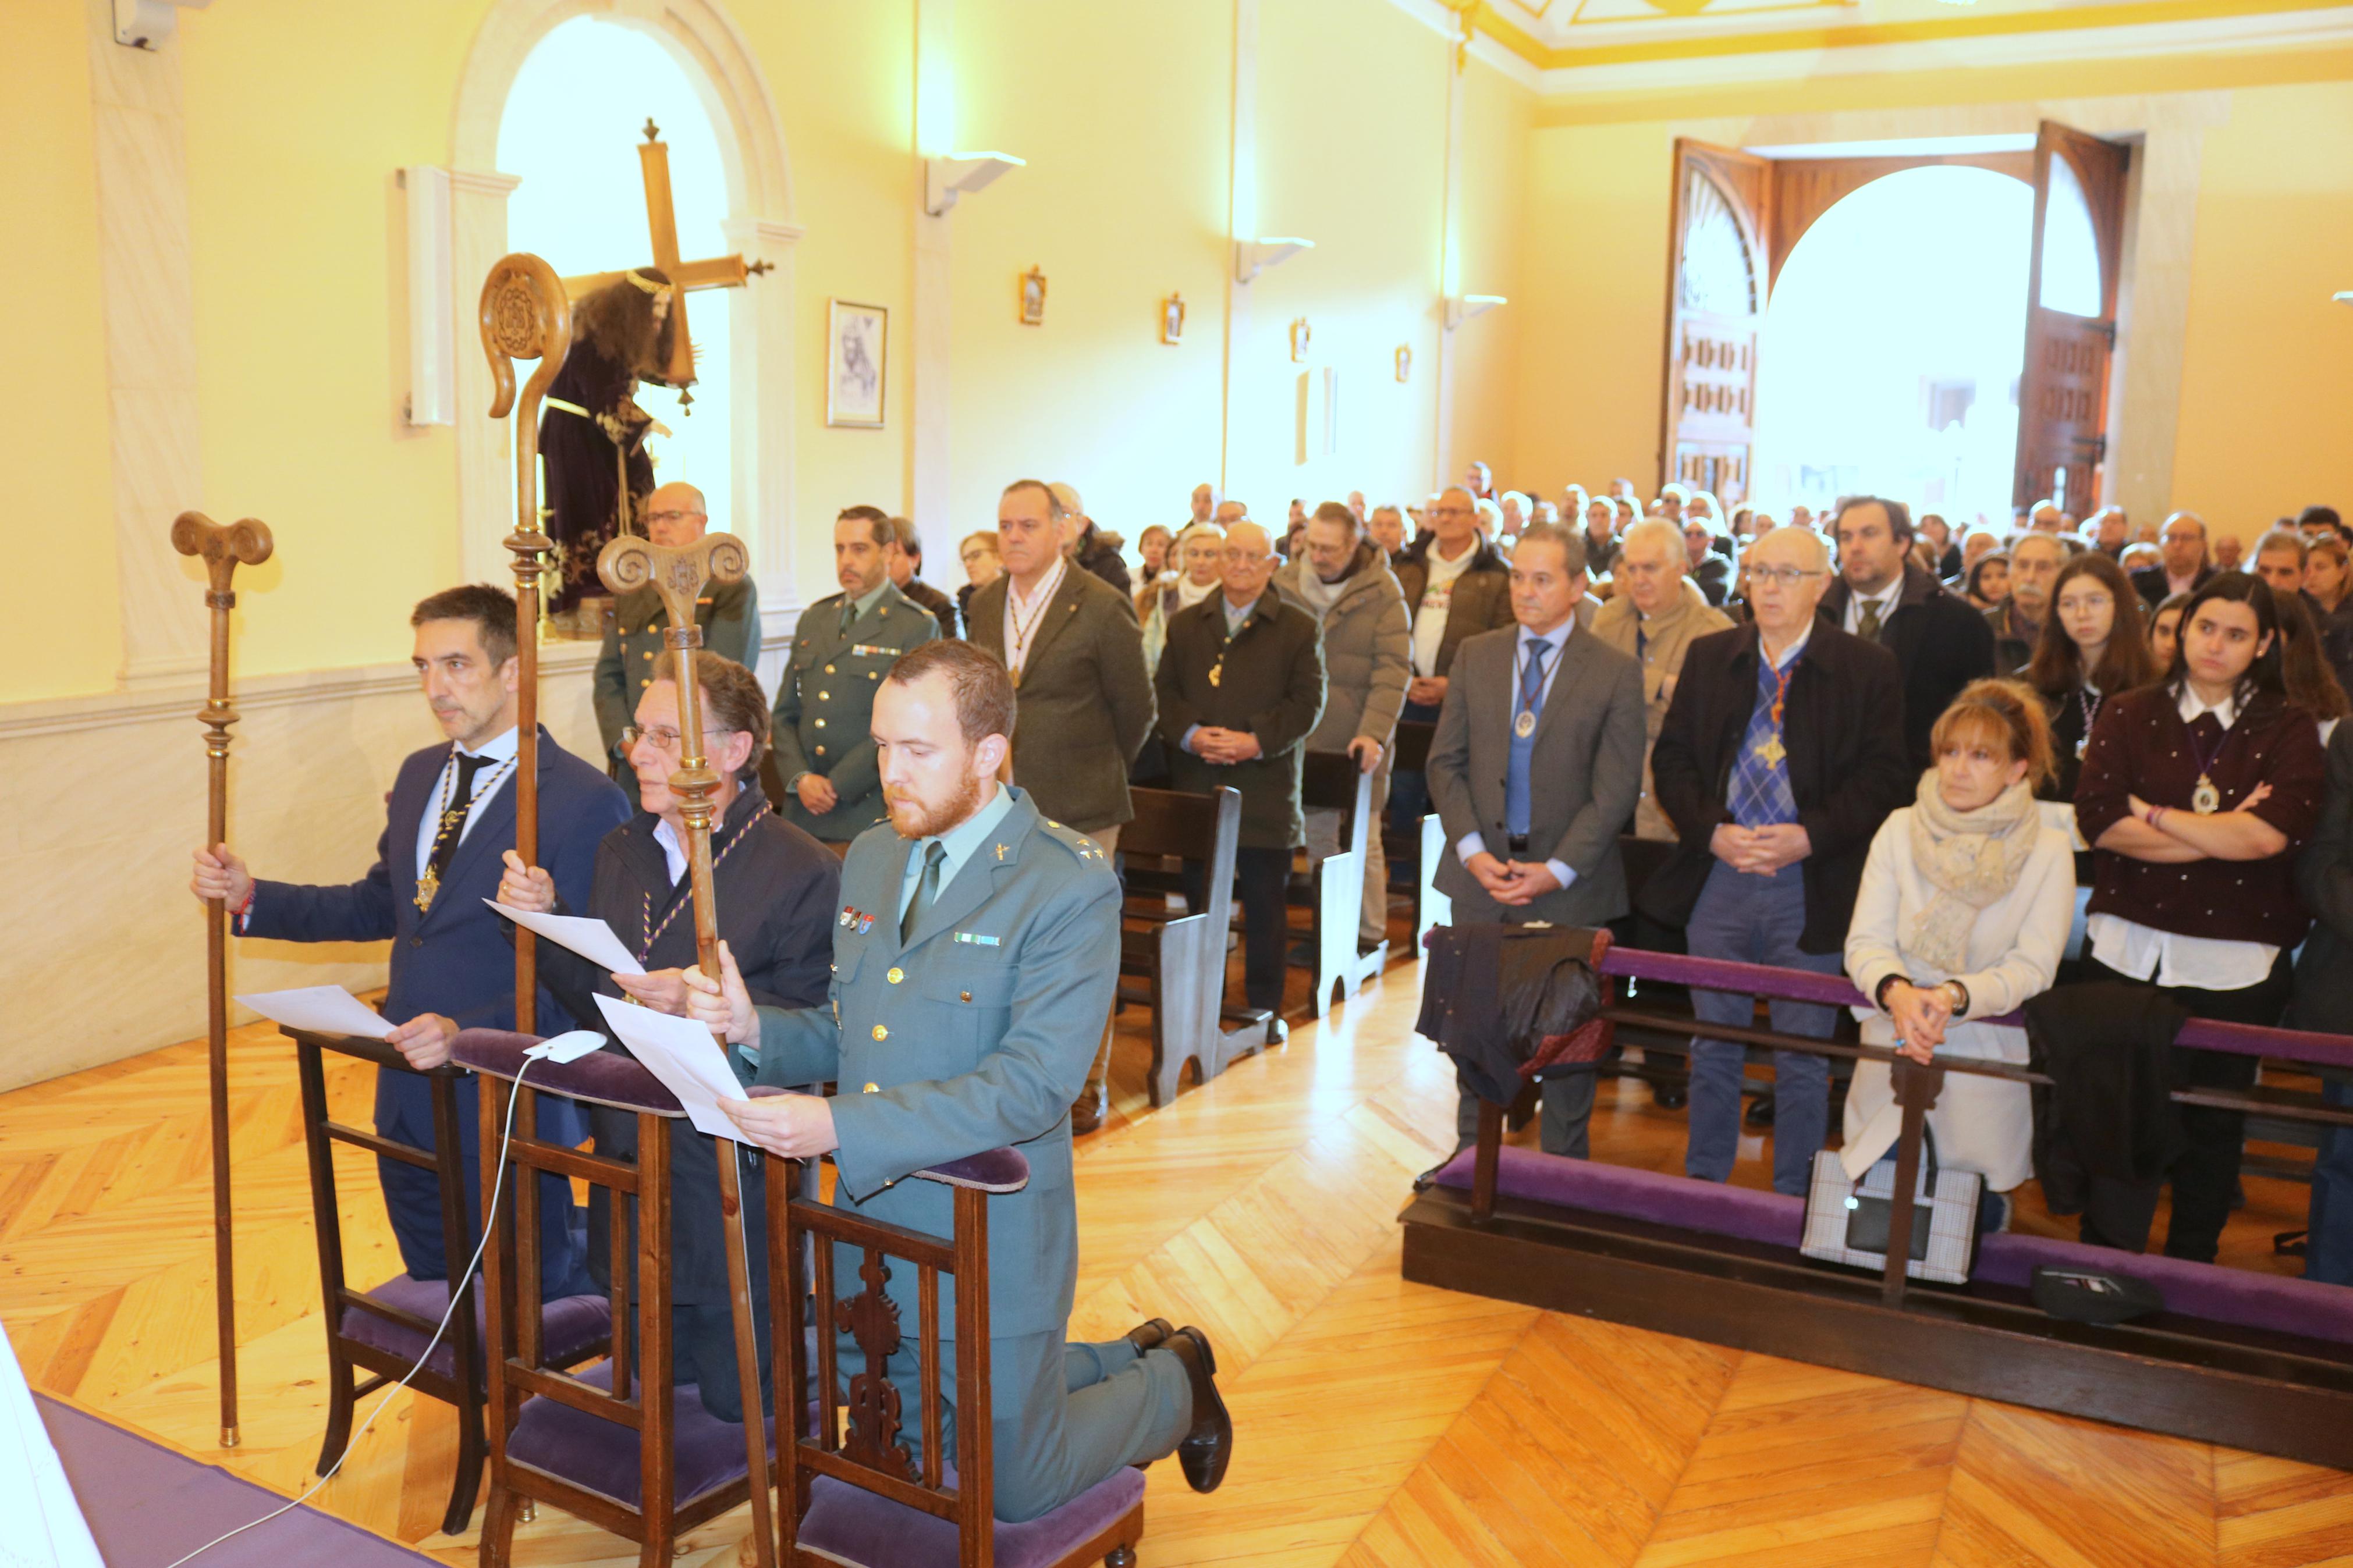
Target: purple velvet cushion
(2205, 1290)
(853, 1526)
(603, 1455)
(1682, 1201)
(568, 1327)
(604, 1078)
(990, 1171)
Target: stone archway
(734, 92)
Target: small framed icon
(1033, 298)
(1172, 319)
(1404, 361)
(1300, 334)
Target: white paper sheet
(684, 1056)
(590, 938)
(326, 1009)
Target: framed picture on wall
(1300, 335)
(1172, 319)
(856, 336)
(1033, 298)
(1404, 361)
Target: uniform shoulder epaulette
(1079, 845)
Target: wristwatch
(1960, 994)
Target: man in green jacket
(974, 962)
(632, 659)
(844, 644)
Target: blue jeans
(2329, 1249)
(1756, 919)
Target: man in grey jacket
(1345, 581)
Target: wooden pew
(1178, 961)
(1333, 889)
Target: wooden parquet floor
(1381, 1425)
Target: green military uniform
(825, 704)
(976, 1033)
(633, 657)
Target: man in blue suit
(452, 812)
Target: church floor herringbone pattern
(1381, 1425)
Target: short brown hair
(1055, 510)
(911, 543)
(2006, 708)
(731, 701)
(984, 692)
(1337, 511)
(2283, 537)
(877, 522)
(492, 610)
(1572, 546)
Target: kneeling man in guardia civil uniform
(974, 960)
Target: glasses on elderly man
(1784, 576)
(674, 514)
(666, 739)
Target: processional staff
(678, 575)
(223, 549)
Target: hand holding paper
(683, 1056)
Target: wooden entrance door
(2071, 318)
(1716, 283)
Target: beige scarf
(1972, 859)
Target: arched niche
(760, 223)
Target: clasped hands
(1760, 851)
(1212, 744)
(1512, 882)
(531, 887)
(1920, 1015)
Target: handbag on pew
(1847, 1220)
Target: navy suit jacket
(452, 959)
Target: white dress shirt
(1436, 592)
(488, 781)
(1885, 599)
(2200, 962)
(1024, 618)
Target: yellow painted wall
(55, 431)
(1496, 253)
(2264, 408)
(2266, 396)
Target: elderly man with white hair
(1653, 617)
(1781, 753)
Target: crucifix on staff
(629, 326)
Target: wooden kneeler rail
(1181, 959)
(2250, 1388)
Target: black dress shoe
(1206, 1450)
(1093, 1102)
(1670, 1096)
(1149, 1334)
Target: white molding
(1484, 49)
(483, 181)
(2332, 28)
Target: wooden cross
(661, 227)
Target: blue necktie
(1515, 781)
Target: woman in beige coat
(1963, 912)
(1653, 613)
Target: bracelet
(1961, 997)
(1879, 992)
(251, 889)
(2154, 813)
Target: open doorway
(1889, 358)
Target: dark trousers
(1409, 792)
(2329, 1249)
(1262, 881)
(2119, 1213)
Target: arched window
(2071, 254)
(570, 131)
(1719, 274)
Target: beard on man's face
(915, 818)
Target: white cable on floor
(456, 1293)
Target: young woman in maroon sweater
(2195, 794)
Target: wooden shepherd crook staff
(525, 314)
(678, 575)
(223, 550)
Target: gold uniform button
(967, 995)
(829, 669)
(873, 1089)
(646, 681)
(896, 975)
(881, 1033)
(649, 653)
(824, 696)
(820, 751)
(820, 723)
(870, 674)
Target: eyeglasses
(1780, 576)
(672, 516)
(665, 740)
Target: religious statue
(592, 436)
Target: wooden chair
(1180, 960)
(380, 1332)
(1422, 846)
(1333, 889)
(626, 1447)
(850, 1493)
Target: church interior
(1985, 256)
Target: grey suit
(1585, 772)
(944, 1048)
(1085, 701)
(825, 701)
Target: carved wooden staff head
(525, 314)
(223, 548)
